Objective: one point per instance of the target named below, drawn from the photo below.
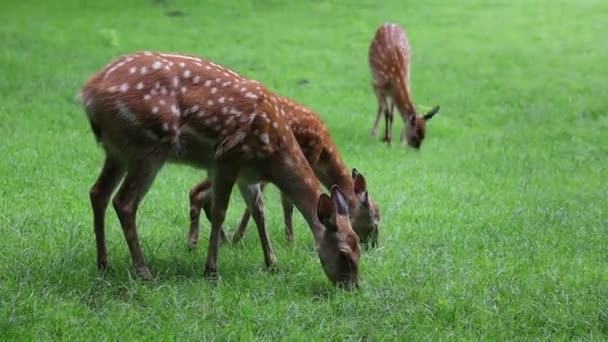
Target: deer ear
(326, 212)
(428, 116)
(360, 185)
(339, 200)
(411, 120)
(355, 173)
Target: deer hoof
(144, 273)
(103, 264)
(211, 271)
(273, 267)
(192, 244)
(236, 238)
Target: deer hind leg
(242, 228)
(224, 178)
(111, 174)
(200, 198)
(140, 175)
(288, 216)
(381, 106)
(255, 203)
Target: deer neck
(335, 172)
(292, 174)
(402, 97)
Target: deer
(389, 60)
(323, 156)
(150, 108)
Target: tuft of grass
(496, 229)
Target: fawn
(149, 108)
(323, 156)
(389, 59)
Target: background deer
(389, 60)
(147, 109)
(323, 156)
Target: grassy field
(497, 229)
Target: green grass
(497, 229)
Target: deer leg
(381, 103)
(255, 203)
(240, 232)
(288, 216)
(223, 181)
(377, 121)
(242, 228)
(200, 198)
(387, 121)
(111, 174)
(390, 123)
(139, 177)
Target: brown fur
(389, 60)
(147, 109)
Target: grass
(497, 229)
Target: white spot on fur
(125, 113)
(264, 138)
(155, 110)
(132, 70)
(196, 79)
(139, 86)
(156, 65)
(186, 73)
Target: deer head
(415, 129)
(339, 248)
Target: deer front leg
(111, 174)
(200, 197)
(288, 216)
(140, 176)
(255, 203)
(224, 178)
(388, 121)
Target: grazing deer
(323, 156)
(389, 60)
(150, 108)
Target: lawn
(496, 229)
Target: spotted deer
(149, 108)
(314, 139)
(389, 59)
